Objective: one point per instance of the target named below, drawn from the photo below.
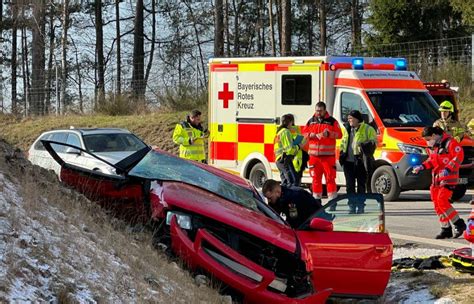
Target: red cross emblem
(225, 95)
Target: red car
(218, 222)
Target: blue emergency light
(401, 65)
(358, 64)
(414, 159)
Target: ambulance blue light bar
(358, 63)
(401, 65)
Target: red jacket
(318, 145)
(444, 160)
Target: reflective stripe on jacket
(448, 155)
(298, 159)
(323, 146)
(183, 132)
(283, 144)
(452, 127)
(364, 134)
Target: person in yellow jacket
(285, 151)
(448, 122)
(358, 144)
(190, 135)
(300, 160)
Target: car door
(355, 257)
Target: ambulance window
(351, 101)
(296, 90)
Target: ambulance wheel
(385, 182)
(258, 175)
(458, 192)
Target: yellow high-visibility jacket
(184, 133)
(283, 144)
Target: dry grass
(82, 229)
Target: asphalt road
(412, 220)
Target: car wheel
(385, 182)
(458, 192)
(258, 175)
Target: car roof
(90, 131)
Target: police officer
(323, 130)
(285, 151)
(190, 135)
(445, 157)
(296, 203)
(358, 138)
(448, 122)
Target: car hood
(177, 195)
(409, 135)
(114, 157)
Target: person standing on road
(300, 162)
(189, 135)
(285, 151)
(445, 157)
(359, 141)
(448, 122)
(296, 203)
(323, 130)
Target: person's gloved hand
(417, 169)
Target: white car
(110, 144)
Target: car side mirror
(320, 224)
(70, 150)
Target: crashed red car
(218, 222)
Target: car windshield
(114, 142)
(404, 109)
(161, 166)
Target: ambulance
(248, 96)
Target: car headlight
(184, 220)
(409, 149)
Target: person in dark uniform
(296, 203)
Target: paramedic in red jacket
(445, 157)
(322, 131)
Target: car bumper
(409, 181)
(196, 255)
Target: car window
(351, 101)
(39, 144)
(59, 137)
(118, 142)
(355, 213)
(159, 166)
(73, 140)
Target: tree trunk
(65, 24)
(356, 25)
(272, 27)
(153, 37)
(49, 74)
(322, 26)
(278, 9)
(310, 30)
(14, 9)
(237, 9)
(286, 27)
(79, 78)
(219, 30)
(99, 44)
(227, 30)
(38, 60)
(138, 54)
(25, 69)
(118, 86)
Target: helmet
(446, 106)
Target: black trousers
(288, 173)
(355, 171)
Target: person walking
(358, 143)
(448, 121)
(189, 135)
(286, 149)
(322, 131)
(296, 203)
(445, 157)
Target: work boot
(445, 233)
(459, 227)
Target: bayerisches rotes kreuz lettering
(245, 93)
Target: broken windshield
(160, 166)
(404, 109)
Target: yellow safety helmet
(446, 106)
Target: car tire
(458, 192)
(384, 181)
(258, 175)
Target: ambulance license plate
(462, 181)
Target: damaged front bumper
(252, 280)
